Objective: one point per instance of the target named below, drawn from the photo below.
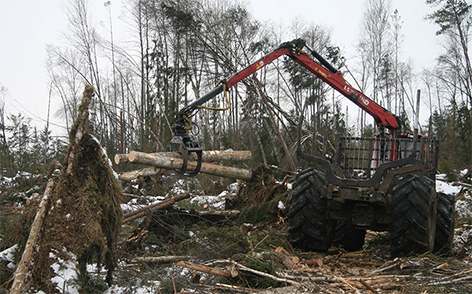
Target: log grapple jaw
(184, 144)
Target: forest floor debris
(253, 252)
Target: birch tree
(375, 41)
(455, 21)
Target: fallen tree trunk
(207, 156)
(156, 160)
(22, 269)
(150, 208)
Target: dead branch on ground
(150, 208)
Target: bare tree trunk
(143, 81)
(22, 269)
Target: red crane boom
(323, 70)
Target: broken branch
(277, 279)
(208, 270)
(161, 259)
(150, 208)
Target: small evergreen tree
(464, 125)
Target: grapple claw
(185, 146)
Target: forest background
(180, 49)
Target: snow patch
(447, 188)
(462, 237)
(281, 205)
(233, 188)
(216, 202)
(464, 207)
(9, 256)
(133, 203)
(66, 273)
(463, 173)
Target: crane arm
(335, 79)
(293, 49)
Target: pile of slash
(236, 242)
(198, 245)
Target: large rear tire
(309, 227)
(413, 217)
(348, 237)
(445, 220)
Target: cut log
(207, 156)
(22, 269)
(150, 208)
(287, 259)
(121, 158)
(208, 270)
(176, 163)
(145, 172)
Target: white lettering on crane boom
(364, 100)
(349, 90)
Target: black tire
(309, 227)
(445, 221)
(413, 217)
(347, 236)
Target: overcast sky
(27, 26)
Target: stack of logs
(162, 161)
(173, 161)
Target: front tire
(309, 226)
(413, 217)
